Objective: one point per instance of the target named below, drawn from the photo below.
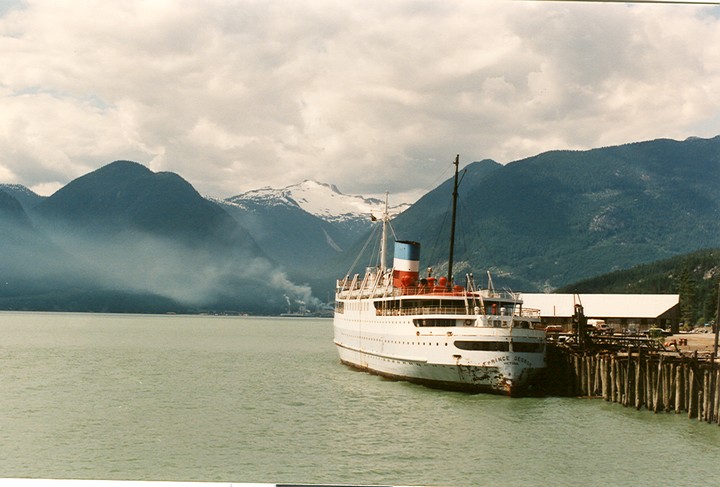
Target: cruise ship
(392, 322)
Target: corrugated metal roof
(602, 305)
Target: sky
(371, 95)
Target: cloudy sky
(370, 95)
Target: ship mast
(452, 224)
(383, 240)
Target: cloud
(371, 96)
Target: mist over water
(133, 261)
(141, 262)
(266, 400)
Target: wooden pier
(637, 376)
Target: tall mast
(452, 225)
(383, 241)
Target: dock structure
(635, 371)
(639, 376)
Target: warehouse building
(636, 312)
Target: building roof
(602, 305)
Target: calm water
(266, 400)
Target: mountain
(126, 196)
(324, 201)
(11, 211)
(124, 238)
(27, 198)
(140, 240)
(562, 216)
(30, 262)
(306, 227)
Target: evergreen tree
(687, 291)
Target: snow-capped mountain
(308, 228)
(322, 200)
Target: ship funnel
(406, 263)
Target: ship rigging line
(373, 237)
(362, 251)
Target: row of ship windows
(485, 346)
(398, 342)
(521, 347)
(358, 320)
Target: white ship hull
(467, 356)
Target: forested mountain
(125, 196)
(562, 216)
(23, 249)
(27, 198)
(124, 238)
(694, 276)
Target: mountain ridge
(561, 216)
(537, 224)
(131, 234)
(323, 200)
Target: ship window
(339, 307)
(434, 322)
(528, 347)
(484, 346)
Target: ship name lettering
(507, 358)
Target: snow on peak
(320, 199)
(18, 188)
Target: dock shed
(621, 311)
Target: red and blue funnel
(406, 263)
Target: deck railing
(371, 286)
(448, 310)
(425, 310)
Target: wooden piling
(603, 377)
(692, 395)
(716, 408)
(657, 386)
(706, 396)
(667, 386)
(649, 396)
(656, 381)
(626, 377)
(638, 385)
(686, 381)
(613, 378)
(679, 389)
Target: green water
(265, 400)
